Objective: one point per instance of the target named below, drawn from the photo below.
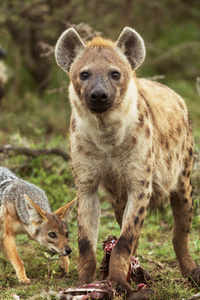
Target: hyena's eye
(115, 75)
(84, 75)
(52, 235)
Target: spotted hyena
(133, 136)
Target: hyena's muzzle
(98, 98)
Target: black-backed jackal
(24, 208)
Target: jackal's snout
(68, 250)
(65, 251)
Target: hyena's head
(50, 229)
(100, 71)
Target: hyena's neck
(112, 127)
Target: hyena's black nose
(99, 94)
(68, 251)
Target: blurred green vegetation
(36, 92)
(35, 112)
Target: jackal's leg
(2, 248)
(182, 207)
(10, 248)
(88, 225)
(64, 263)
(133, 218)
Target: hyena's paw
(195, 275)
(86, 269)
(85, 280)
(121, 286)
(25, 280)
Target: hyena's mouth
(99, 110)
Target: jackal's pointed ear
(132, 46)
(64, 211)
(68, 47)
(36, 213)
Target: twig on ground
(160, 265)
(12, 150)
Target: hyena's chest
(115, 177)
(117, 168)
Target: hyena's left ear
(64, 211)
(132, 46)
(68, 47)
(36, 213)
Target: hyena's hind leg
(119, 207)
(182, 207)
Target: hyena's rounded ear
(132, 46)
(68, 47)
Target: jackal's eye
(84, 75)
(115, 75)
(67, 235)
(52, 235)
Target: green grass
(155, 241)
(155, 244)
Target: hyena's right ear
(68, 47)
(36, 213)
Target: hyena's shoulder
(159, 94)
(164, 104)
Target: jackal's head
(101, 70)
(50, 229)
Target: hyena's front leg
(88, 225)
(133, 218)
